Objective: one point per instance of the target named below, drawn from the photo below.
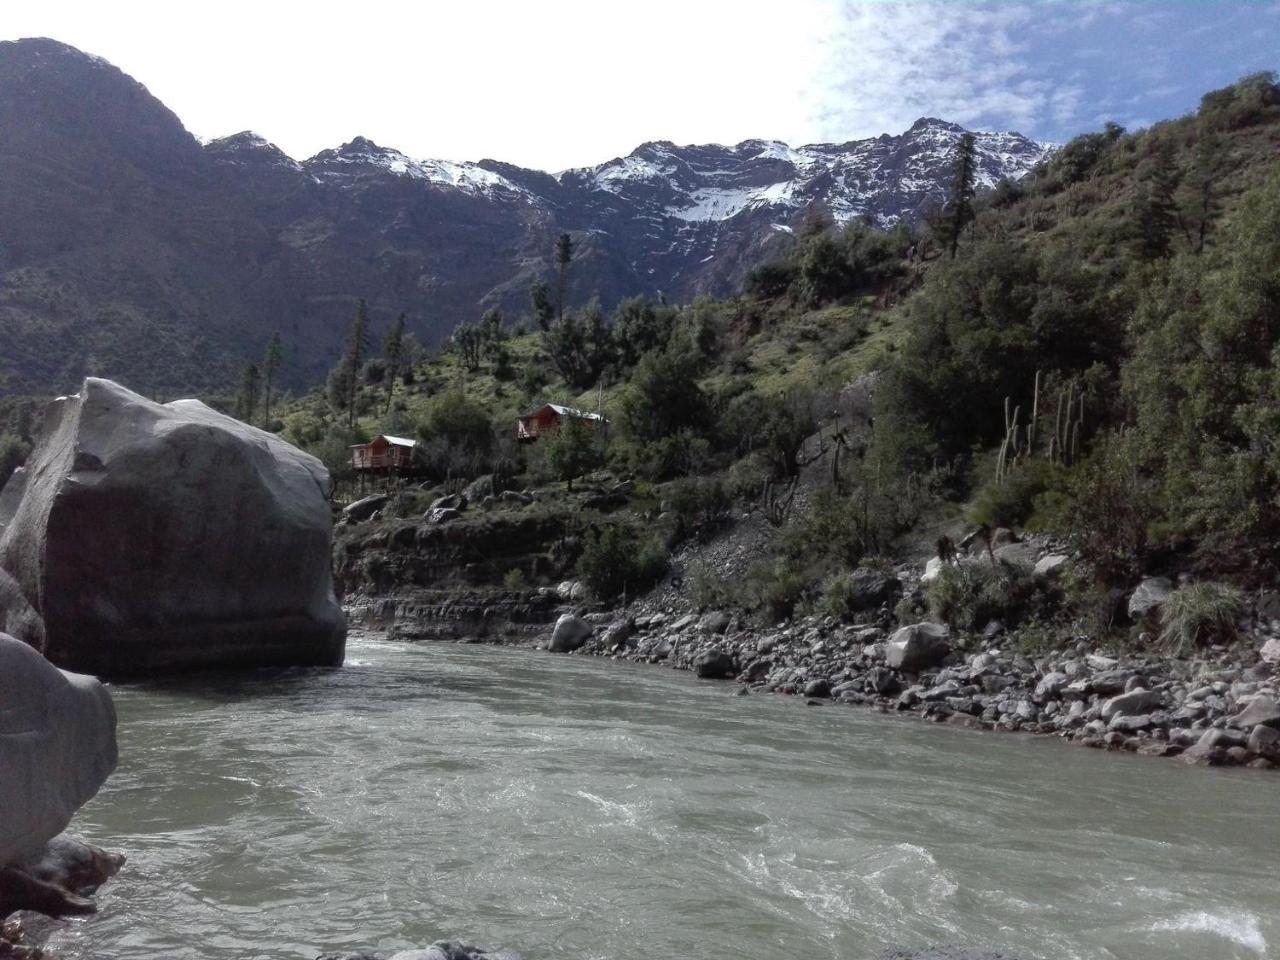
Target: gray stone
(1261, 710)
(1270, 652)
(714, 665)
(1051, 684)
(1017, 555)
(1051, 565)
(715, 622)
(817, 688)
(1209, 750)
(442, 515)
(155, 538)
(569, 634)
(1264, 741)
(57, 747)
(365, 507)
(1150, 594)
(918, 647)
(618, 632)
(867, 589)
(1133, 702)
(454, 501)
(56, 879)
(684, 623)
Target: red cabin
(548, 417)
(383, 454)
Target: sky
(552, 84)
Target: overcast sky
(559, 83)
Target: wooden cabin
(548, 417)
(383, 454)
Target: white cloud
(890, 63)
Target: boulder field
(143, 538)
(57, 747)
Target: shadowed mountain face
(130, 249)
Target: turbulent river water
(569, 807)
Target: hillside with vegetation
(1088, 353)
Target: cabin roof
(394, 441)
(564, 412)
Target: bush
(515, 579)
(617, 560)
(1200, 613)
(967, 596)
(774, 588)
(1012, 501)
(700, 507)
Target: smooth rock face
(57, 747)
(918, 647)
(1150, 594)
(569, 634)
(1133, 702)
(1261, 711)
(365, 507)
(154, 538)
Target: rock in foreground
(154, 538)
(57, 747)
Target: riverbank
(1220, 709)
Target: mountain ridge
(130, 248)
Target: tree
(468, 341)
(393, 353)
(581, 347)
(456, 434)
(1197, 190)
(564, 255)
(959, 209)
(271, 367)
(544, 311)
(1156, 212)
(494, 335)
(571, 450)
(247, 398)
(357, 351)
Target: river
(568, 807)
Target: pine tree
(959, 209)
(564, 256)
(271, 367)
(357, 351)
(1197, 192)
(1156, 211)
(544, 311)
(393, 353)
(247, 399)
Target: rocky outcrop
(155, 538)
(57, 747)
(570, 633)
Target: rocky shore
(1221, 709)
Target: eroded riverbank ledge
(1221, 709)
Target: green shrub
(707, 588)
(1012, 501)
(618, 560)
(515, 579)
(774, 588)
(700, 507)
(1200, 613)
(967, 596)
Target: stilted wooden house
(384, 455)
(548, 417)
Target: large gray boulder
(156, 538)
(57, 747)
(569, 634)
(1149, 595)
(918, 647)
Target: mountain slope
(129, 249)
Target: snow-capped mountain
(127, 245)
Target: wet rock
(1264, 741)
(1150, 594)
(156, 538)
(1209, 750)
(714, 665)
(365, 507)
(1262, 711)
(817, 688)
(570, 633)
(1134, 702)
(57, 879)
(918, 647)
